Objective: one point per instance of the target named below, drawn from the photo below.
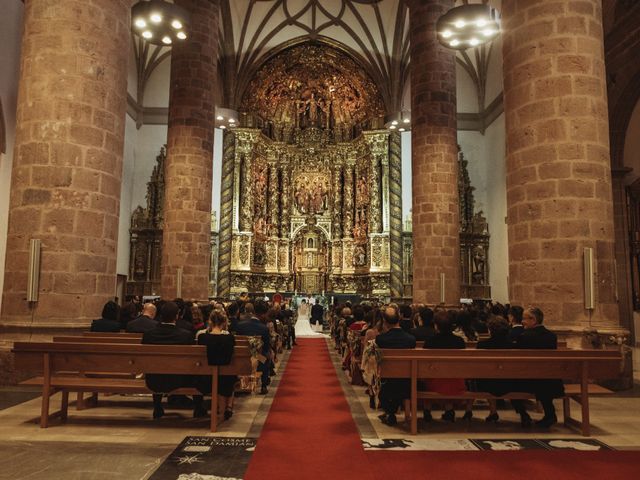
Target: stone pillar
(559, 197)
(67, 166)
(188, 170)
(228, 186)
(395, 213)
(436, 240)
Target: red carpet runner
(310, 434)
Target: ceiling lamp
(468, 26)
(226, 118)
(159, 22)
(399, 121)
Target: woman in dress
(220, 344)
(303, 324)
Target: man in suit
(406, 322)
(393, 390)
(425, 328)
(317, 315)
(144, 322)
(536, 336)
(252, 326)
(515, 319)
(108, 322)
(167, 333)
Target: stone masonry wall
(65, 186)
(436, 241)
(558, 169)
(188, 170)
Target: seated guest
(144, 322)
(464, 328)
(425, 328)
(536, 336)
(185, 320)
(167, 333)
(515, 319)
(445, 339)
(108, 322)
(393, 390)
(197, 320)
(499, 331)
(252, 326)
(406, 323)
(220, 344)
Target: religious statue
(359, 256)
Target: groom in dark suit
(167, 333)
(317, 313)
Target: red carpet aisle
(521, 465)
(309, 433)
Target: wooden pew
(582, 366)
(62, 365)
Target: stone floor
(119, 440)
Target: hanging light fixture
(399, 121)
(468, 26)
(226, 118)
(159, 22)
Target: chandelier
(398, 121)
(468, 26)
(159, 22)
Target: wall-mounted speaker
(179, 282)
(589, 283)
(33, 274)
(442, 287)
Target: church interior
(338, 165)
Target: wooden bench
(582, 366)
(63, 365)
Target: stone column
(228, 186)
(436, 240)
(67, 166)
(188, 171)
(559, 197)
(395, 213)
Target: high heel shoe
(228, 413)
(449, 416)
(492, 417)
(468, 415)
(372, 402)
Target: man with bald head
(393, 390)
(144, 322)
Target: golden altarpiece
(311, 197)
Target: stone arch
(245, 83)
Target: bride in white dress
(303, 325)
